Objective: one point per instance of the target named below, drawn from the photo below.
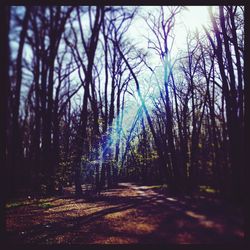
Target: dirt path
(127, 214)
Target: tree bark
(5, 177)
(16, 154)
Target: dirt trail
(127, 214)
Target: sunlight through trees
(95, 95)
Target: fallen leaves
(127, 215)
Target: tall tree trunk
(5, 90)
(81, 142)
(183, 144)
(233, 122)
(16, 154)
(36, 158)
(99, 15)
(118, 133)
(174, 184)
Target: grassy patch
(164, 186)
(155, 187)
(45, 205)
(207, 189)
(14, 204)
(41, 204)
(17, 204)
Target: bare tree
(89, 46)
(234, 122)
(16, 154)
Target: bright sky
(191, 19)
(195, 16)
(187, 21)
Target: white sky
(187, 20)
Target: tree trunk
(5, 177)
(16, 151)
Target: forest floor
(127, 214)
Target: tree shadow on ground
(151, 217)
(68, 224)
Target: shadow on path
(135, 214)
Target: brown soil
(127, 214)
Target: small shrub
(207, 189)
